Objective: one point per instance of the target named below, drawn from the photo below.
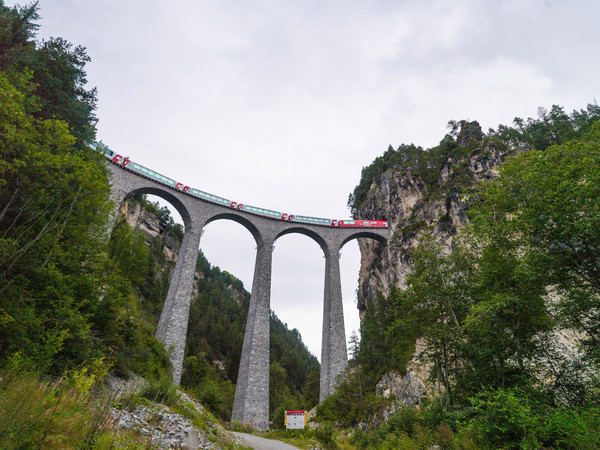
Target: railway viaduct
(251, 404)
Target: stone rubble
(162, 428)
(158, 426)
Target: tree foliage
(489, 313)
(57, 68)
(549, 128)
(65, 298)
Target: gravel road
(259, 443)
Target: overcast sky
(279, 104)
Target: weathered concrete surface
(252, 390)
(334, 354)
(253, 376)
(173, 323)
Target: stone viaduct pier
(251, 404)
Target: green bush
(572, 428)
(324, 433)
(162, 391)
(503, 418)
(404, 422)
(35, 414)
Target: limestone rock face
(140, 219)
(413, 207)
(407, 390)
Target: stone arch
(252, 391)
(306, 232)
(305, 252)
(242, 220)
(166, 195)
(363, 234)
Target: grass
(73, 412)
(36, 414)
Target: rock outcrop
(156, 424)
(413, 208)
(408, 390)
(144, 221)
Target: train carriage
(126, 163)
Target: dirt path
(259, 443)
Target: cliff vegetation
(485, 330)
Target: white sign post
(295, 420)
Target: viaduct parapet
(251, 404)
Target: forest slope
(73, 300)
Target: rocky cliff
(414, 207)
(417, 205)
(144, 219)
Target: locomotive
(128, 164)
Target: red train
(141, 170)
